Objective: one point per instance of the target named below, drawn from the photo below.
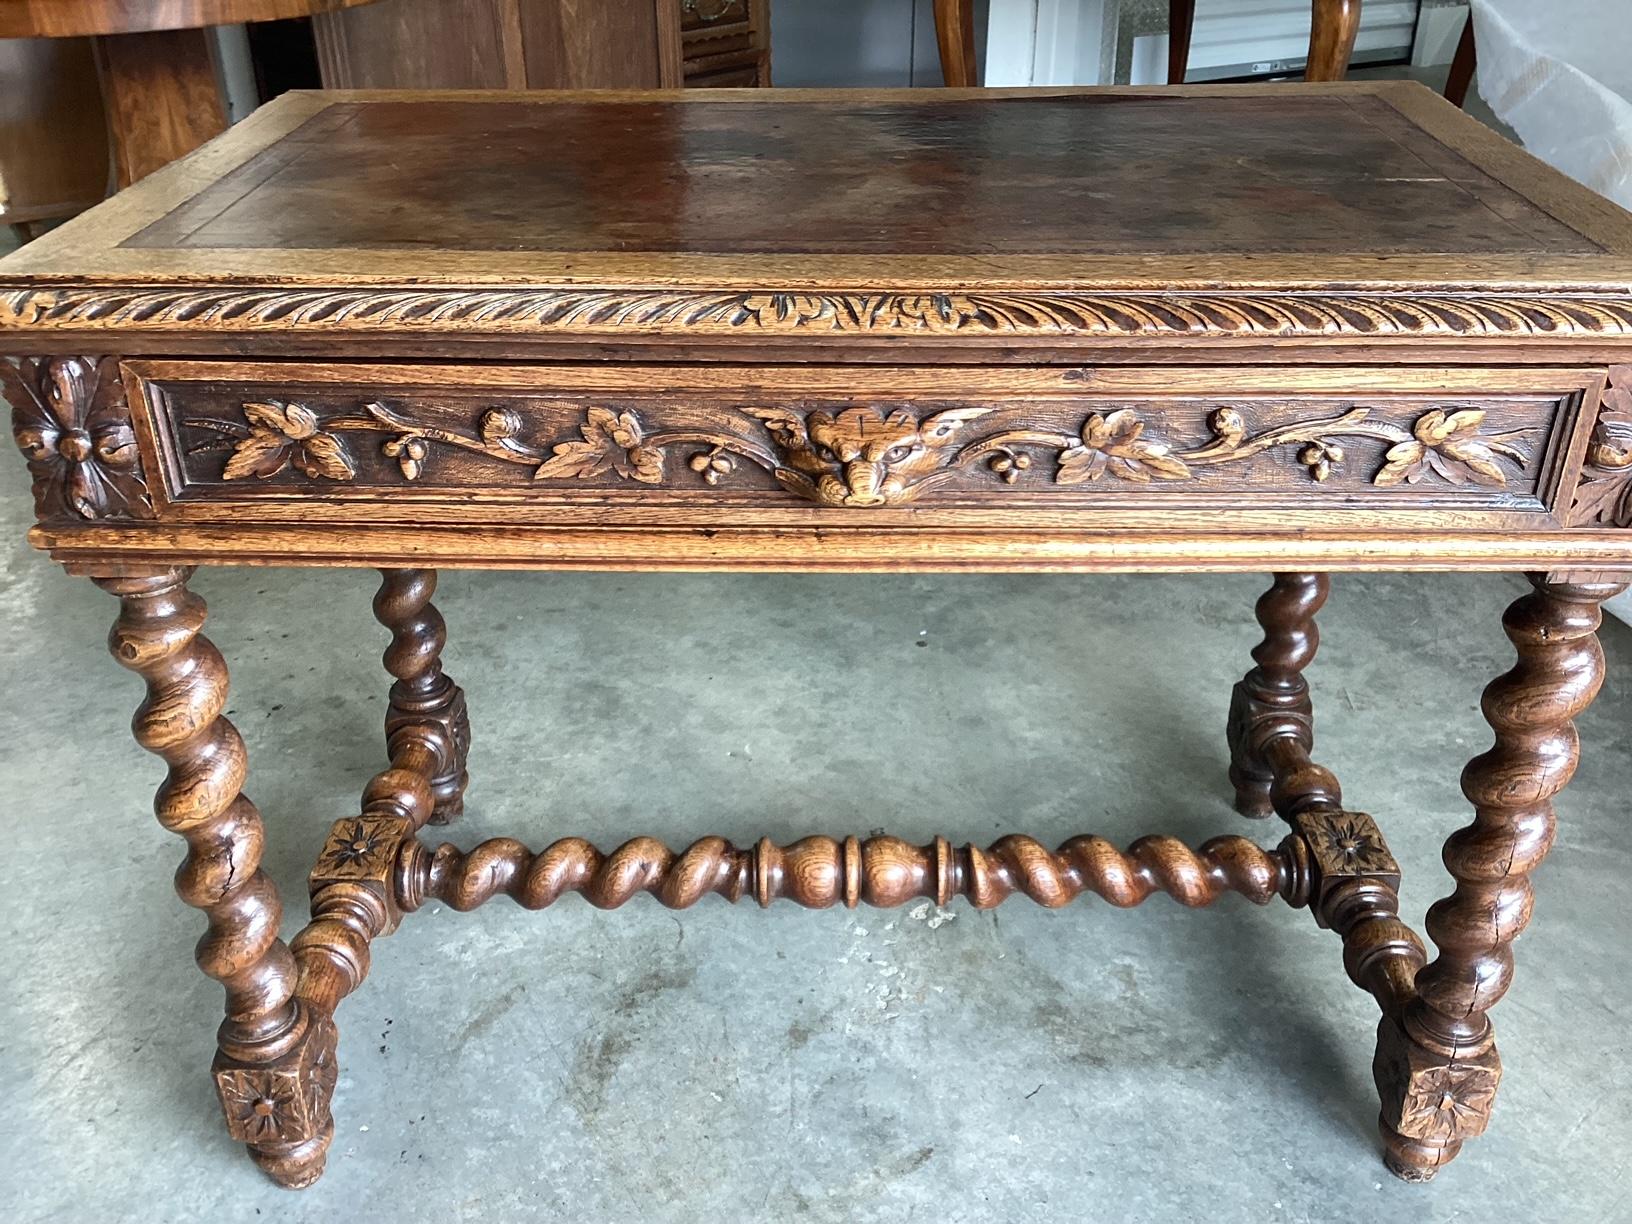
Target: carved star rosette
(1429, 1096)
(359, 848)
(287, 1101)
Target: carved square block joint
(1428, 1096)
(286, 1101)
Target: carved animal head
(862, 457)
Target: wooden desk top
(1032, 198)
(1297, 327)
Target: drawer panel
(745, 76)
(713, 27)
(713, 14)
(771, 444)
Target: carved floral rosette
(862, 454)
(70, 419)
(1604, 496)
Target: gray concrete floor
(724, 1064)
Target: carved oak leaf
(792, 438)
(285, 434)
(610, 441)
(1450, 446)
(1115, 444)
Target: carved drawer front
(1270, 447)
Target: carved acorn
(409, 451)
(713, 465)
(1009, 464)
(1321, 458)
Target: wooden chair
(1331, 38)
(1467, 59)
(955, 35)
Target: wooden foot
(1436, 1067)
(1272, 700)
(424, 698)
(274, 1068)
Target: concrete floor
(725, 1064)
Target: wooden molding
(591, 312)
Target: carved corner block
(442, 714)
(1604, 496)
(70, 418)
(358, 848)
(284, 1102)
(1344, 848)
(361, 854)
(1432, 1099)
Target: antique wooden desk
(1298, 329)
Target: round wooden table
(159, 83)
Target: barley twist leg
(274, 1065)
(1436, 1067)
(423, 697)
(1272, 700)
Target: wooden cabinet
(500, 44)
(545, 44)
(725, 42)
(53, 139)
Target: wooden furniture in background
(671, 345)
(1463, 66)
(158, 78)
(501, 44)
(53, 139)
(955, 36)
(573, 44)
(1335, 25)
(725, 42)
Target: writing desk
(1301, 329)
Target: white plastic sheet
(1559, 73)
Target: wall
(885, 43)
(875, 43)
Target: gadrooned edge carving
(1248, 314)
